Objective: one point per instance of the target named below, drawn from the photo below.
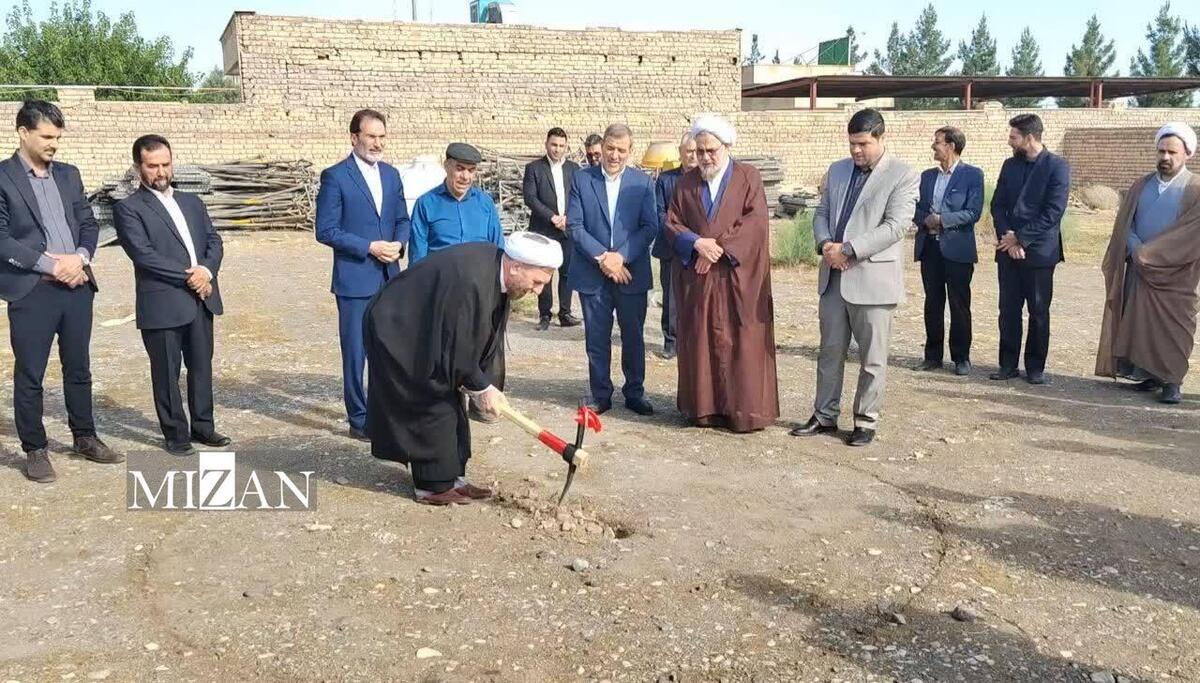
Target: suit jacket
(348, 222)
(22, 233)
(149, 237)
(664, 189)
(876, 230)
(540, 197)
(593, 232)
(962, 206)
(1033, 209)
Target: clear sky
(791, 26)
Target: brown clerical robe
(1156, 328)
(725, 338)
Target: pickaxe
(573, 454)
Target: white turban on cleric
(715, 125)
(533, 249)
(1182, 131)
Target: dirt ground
(1065, 518)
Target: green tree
(1166, 58)
(979, 56)
(755, 56)
(856, 56)
(894, 56)
(1026, 61)
(216, 79)
(775, 59)
(1191, 39)
(1092, 58)
(76, 46)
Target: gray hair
(686, 138)
(618, 131)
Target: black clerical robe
(433, 330)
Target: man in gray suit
(865, 210)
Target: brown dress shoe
(38, 467)
(94, 449)
(475, 492)
(444, 498)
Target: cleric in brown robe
(718, 227)
(1151, 272)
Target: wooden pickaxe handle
(574, 456)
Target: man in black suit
(47, 241)
(1027, 210)
(547, 183)
(176, 254)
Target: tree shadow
(930, 646)
(900, 361)
(1080, 542)
(299, 399)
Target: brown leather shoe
(475, 492)
(444, 498)
(94, 449)
(38, 467)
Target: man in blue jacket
(611, 221)
(1027, 209)
(950, 205)
(361, 214)
(664, 188)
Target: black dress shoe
(668, 351)
(214, 440)
(812, 428)
(962, 368)
(860, 437)
(1148, 385)
(180, 449)
(640, 406)
(600, 408)
(1038, 378)
(1171, 394)
(929, 364)
(543, 324)
(359, 435)
(568, 320)
(1004, 373)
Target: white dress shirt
(374, 182)
(167, 199)
(714, 185)
(612, 187)
(560, 192)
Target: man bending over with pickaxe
(434, 332)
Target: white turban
(1183, 132)
(533, 249)
(714, 125)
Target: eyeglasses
(702, 152)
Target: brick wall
(504, 86)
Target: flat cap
(461, 151)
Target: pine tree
(1092, 58)
(755, 56)
(1166, 58)
(886, 63)
(856, 56)
(1026, 61)
(928, 54)
(979, 57)
(1191, 39)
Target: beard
(160, 184)
(708, 172)
(1165, 167)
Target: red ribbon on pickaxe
(573, 454)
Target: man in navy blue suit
(361, 214)
(950, 205)
(611, 221)
(1027, 209)
(664, 189)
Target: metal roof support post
(812, 94)
(967, 100)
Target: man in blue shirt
(456, 211)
